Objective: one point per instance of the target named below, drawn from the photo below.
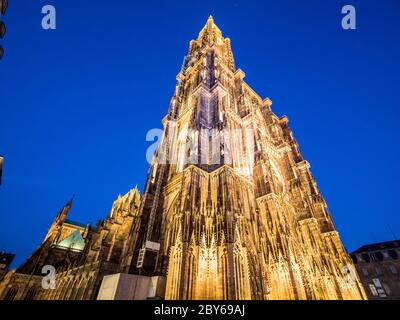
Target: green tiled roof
(73, 242)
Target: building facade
(6, 259)
(230, 209)
(80, 254)
(230, 198)
(378, 266)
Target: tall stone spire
(234, 208)
(210, 28)
(210, 37)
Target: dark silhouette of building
(378, 266)
(3, 8)
(5, 261)
(1, 168)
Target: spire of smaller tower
(69, 203)
(62, 215)
(59, 220)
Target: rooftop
(76, 224)
(378, 246)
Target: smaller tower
(63, 245)
(54, 232)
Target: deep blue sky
(76, 103)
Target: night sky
(76, 103)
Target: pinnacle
(210, 26)
(71, 200)
(210, 21)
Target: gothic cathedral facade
(230, 209)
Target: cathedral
(230, 210)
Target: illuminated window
(373, 290)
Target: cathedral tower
(231, 208)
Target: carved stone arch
(66, 287)
(81, 287)
(75, 288)
(169, 220)
(59, 287)
(71, 289)
(12, 293)
(279, 180)
(89, 287)
(173, 272)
